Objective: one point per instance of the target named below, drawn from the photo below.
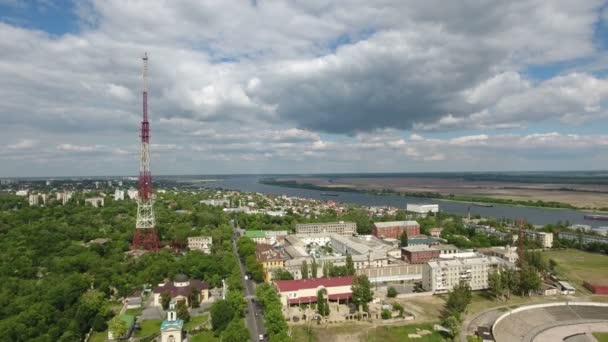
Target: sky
(311, 86)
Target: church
(182, 288)
(172, 329)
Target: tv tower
(145, 236)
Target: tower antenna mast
(146, 236)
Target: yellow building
(270, 258)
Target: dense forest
(56, 286)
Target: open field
(601, 336)
(578, 266)
(350, 332)
(578, 195)
(196, 321)
(100, 336)
(206, 336)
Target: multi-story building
(95, 201)
(132, 194)
(270, 258)
(545, 239)
(119, 195)
(419, 254)
(442, 275)
(64, 196)
(33, 199)
(435, 232)
(394, 229)
(200, 243)
(507, 253)
(341, 228)
(304, 291)
(266, 236)
(584, 239)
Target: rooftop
(395, 223)
(172, 325)
(252, 234)
(300, 284)
(418, 248)
(479, 260)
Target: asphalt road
(254, 318)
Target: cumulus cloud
(333, 82)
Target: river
(534, 215)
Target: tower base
(146, 239)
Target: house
(435, 232)
(182, 288)
(303, 291)
(566, 288)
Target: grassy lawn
(149, 327)
(362, 332)
(206, 336)
(134, 312)
(578, 266)
(99, 336)
(400, 333)
(196, 321)
(601, 336)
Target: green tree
(235, 332)
(452, 323)
(459, 299)
(322, 305)
(118, 327)
(181, 310)
(194, 298)
(237, 302)
(221, 314)
(282, 274)
(391, 292)
(350, 265)
(362, 292)
(313, 268)
(165, 299)
(304, 270)
(386, 314)
(529, 280)
(403, 239)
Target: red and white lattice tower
(146, 236)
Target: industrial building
(394, 229)
(341, 228)
(442, 275)
(422, 209)
(419, 254)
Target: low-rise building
(305, 291)
(266, 236)
(200, 243)
(423, 240)
(394, 229)
(181, 288)
(442, 275)
(422, 209)
(216, 202)
(341, 228)
(419, 254)
(270, 258)
(445, 250)
(435, 232)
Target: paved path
(558, 333)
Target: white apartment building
(200, 243)
(132, 193)
(216, 202)
(95, 201)
(341, 228)
(442, 275)
(64, 197)
(119, 195)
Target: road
(255, 321)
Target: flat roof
(395, 223)
(300, 284)
(418, 248)
(255, 234)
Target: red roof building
(394, 229)
(182, 288)
(304, 291)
